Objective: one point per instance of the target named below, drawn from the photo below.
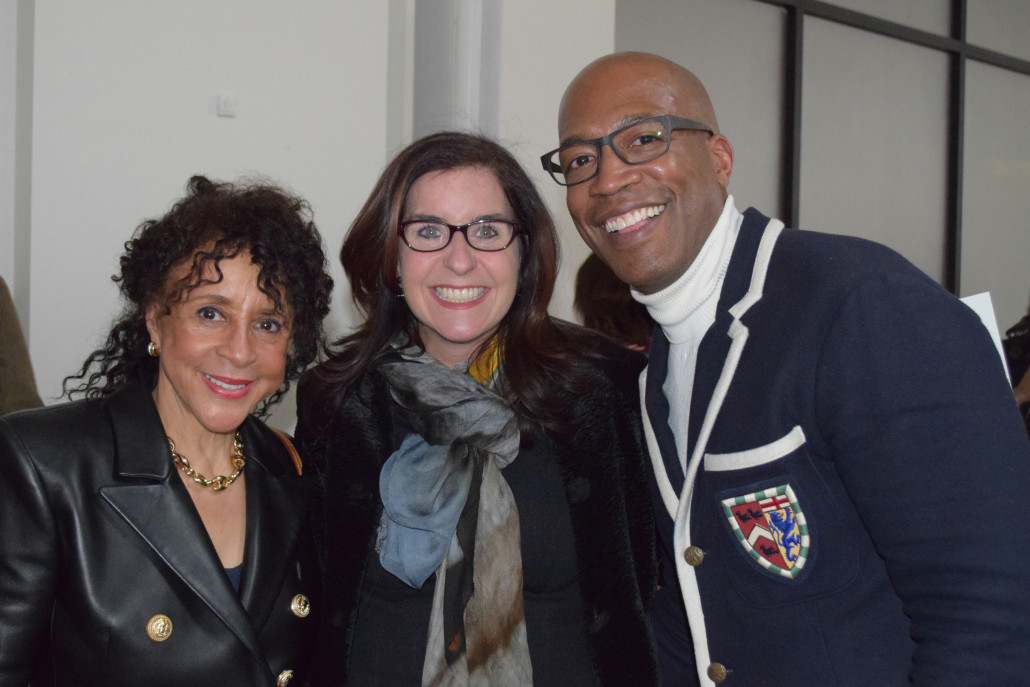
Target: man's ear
(722, 157)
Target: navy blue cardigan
(857, 507)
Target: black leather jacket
(99, 539)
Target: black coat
(604, 472)
(98, 535)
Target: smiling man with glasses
(839, 471)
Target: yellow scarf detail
(486, 363)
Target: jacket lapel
(724, 342)
(656, 406)
(276, 505)
(726, 339)
(715, 345)
(154, 502)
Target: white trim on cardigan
(681, 534)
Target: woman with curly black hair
(152, 533)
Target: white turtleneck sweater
(685, 310)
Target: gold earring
(153, 350)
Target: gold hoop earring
(153, 350)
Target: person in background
(1017, 355)
(840, 474)
(605, 305)
(155, 532)
(484, 492)
(17, 384)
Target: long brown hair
(539, 352)
(605, 305)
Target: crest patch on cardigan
(771, 527)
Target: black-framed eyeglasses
(635, 144)
(428, 235)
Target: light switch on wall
(225, 105)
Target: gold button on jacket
(693, 556)
(717, 673)
(159, 627)
(300, 605)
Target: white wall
(542, 46)
(8, 102)
(124, 113)
(15, 149)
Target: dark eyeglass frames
(427, 236)
(635, 144)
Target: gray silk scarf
(448, 509)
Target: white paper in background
(982, 306)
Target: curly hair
(539, 352)
(214, 222)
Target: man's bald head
(647, 220)
(668, 81)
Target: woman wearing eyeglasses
(485, 505)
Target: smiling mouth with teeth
(465, 295)
(617, 224)
(228, 387)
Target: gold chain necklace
(220, 481)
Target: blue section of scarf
(425, 483)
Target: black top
(392, 623)
(235, 574)
(587, 494)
